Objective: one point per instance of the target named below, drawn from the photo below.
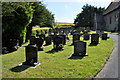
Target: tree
(86, 17)
(41, 17)
(16, 16)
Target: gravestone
(31, 55)
(86, 36)
(94, 39)
(79, 48)
(32, 40)
(39, 43)
(76, 37)
(104, 36)
(58, 43)
(64, 39)
(48, 40)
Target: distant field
(63, 23)
(43, 28)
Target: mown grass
(59, 64)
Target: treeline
(19, 17)
(86, 17)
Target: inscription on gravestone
(79, 48)
(104, 36)
(94, 39)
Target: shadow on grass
(19, 68)
(92, 44)
(53, 51)
(76, 57)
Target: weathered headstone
(94, 39)
(48, 40)
(32, 40)
(58, 43)
(79, 48)
(31, 55)
(104, 36)
(39, 43)
(86, 36)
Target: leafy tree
(15, 17)
(41, 17)
(86, 17)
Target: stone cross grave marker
(79, 48)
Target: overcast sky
(66, 10)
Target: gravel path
(110, 69)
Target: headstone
(31, 55)
(58, 43)
(76, 37)
(104, 36)
(48, 40)
(64, 39)
(79, 48)
(94, 39)
(86, 36)
(32, 40)
(39, 43)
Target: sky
(67, 10)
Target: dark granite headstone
(32, 40)
(64, 39)
(86, 36)
(58, 43)
(48, 40)
(39, 43)
(76, 37)
(104, 36)
(14, 45)
(31, 55)
(79, 48)
(94, 39)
